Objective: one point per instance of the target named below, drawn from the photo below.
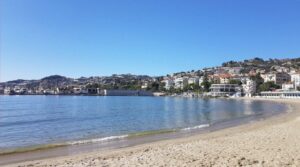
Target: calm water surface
(37, 120)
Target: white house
(295, 78)
(288, 86)
(79, 90)
(224, 89)
(76, 90)
(201, 79)
(168, 83)
(277, 78)
(145, 85)
(193, 80)
(181, 82)
(7, 91)
(225, 78)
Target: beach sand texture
(272, 142)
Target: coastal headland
(270, 142)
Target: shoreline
(112, 157)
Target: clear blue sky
(155, 37)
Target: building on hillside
(214, 79)
(168, 83)
(288, 86)
(261, 71)
(277, 78)
(193, 80)
(201, 79)
(181, 82)
(280, 69)
(80, 90)
(224, 89)
(293, 70)
(220, 70)
(20, 90)
(295, 78)
(76, 90)
(252, 73)
(249, 88)
(145, 85)
(8, 91)
(235, 70)
(39, 90)
(225, 78)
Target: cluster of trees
(133, 85)
(263, 86)
(267, 86)
(127, 86)
(231, 64)
(156, 86)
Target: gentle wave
(196, 127)
(111, 138)
(152, 132)
(97, 140)
(31, 148)
(130, 135)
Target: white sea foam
(97, 140)
(196, 127)
(111, 138)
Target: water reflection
(30, 120)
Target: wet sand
(272, 142)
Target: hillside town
(254, 77)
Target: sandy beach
(271, 142)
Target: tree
(259, 59)
(267, 86)
(172, 89)
(258, 81)
(156, 86)
(234, 81)
(161, 87)
(185, 88)
(193, 87)
(206, 84)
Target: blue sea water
(27, 121)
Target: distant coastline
(253, 77)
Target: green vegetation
(156, 86)
(206, 84)
(258, 80)
(233, 81)
(267, 86)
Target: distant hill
(123, 81)
(129, 81)
(54, 81)
(268, 65)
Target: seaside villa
(224, 89)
